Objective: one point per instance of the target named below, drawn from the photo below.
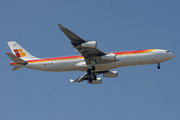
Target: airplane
(91, 60)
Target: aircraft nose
(169, 55)
(172, 55)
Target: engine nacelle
(110, 74)
(97, 81)
(111, 57)
(91, 44)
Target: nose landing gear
(158, 67)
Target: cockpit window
(168, 51)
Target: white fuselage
(77, 63)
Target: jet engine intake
(97, 81)
(90, 44)
(111, 57)
(110, 74)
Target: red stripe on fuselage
(81, 57)
(55, 59)
(130, 52)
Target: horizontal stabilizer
(17, 67)
(16, 59)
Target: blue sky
(139, 92)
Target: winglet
(60, 26)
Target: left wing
(82, 78)
(90, 78)
(87, 48)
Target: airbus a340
(91, 60)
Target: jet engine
(110, 74)
(90, 44)
(97, 81)
(111, 57)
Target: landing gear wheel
(94, 77)
(90, 80)
(89, 72)
(158, 67)
(92, 67)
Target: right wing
(87, 52)
(76, 40)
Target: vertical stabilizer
(20, 51)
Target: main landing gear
(91, 68)
(158, 67)
(90, 73)
(93, 77)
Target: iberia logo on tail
(19, 53)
